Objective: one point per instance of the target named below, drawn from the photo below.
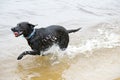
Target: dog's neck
(30, 35)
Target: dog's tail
(73, 30)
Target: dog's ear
(32, 25)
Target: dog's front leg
(28, 53)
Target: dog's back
(50, 35)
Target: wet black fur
(43, 38)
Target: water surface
(93, 53)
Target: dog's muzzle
(16, 32)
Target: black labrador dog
(43, 38)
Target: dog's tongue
(16, 34)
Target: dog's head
(24, 28)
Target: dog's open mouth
(17, 34)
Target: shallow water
(93, 53)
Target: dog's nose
(12, 29)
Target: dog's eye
(19, 24)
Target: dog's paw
(19, 57)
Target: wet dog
(43, 38)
